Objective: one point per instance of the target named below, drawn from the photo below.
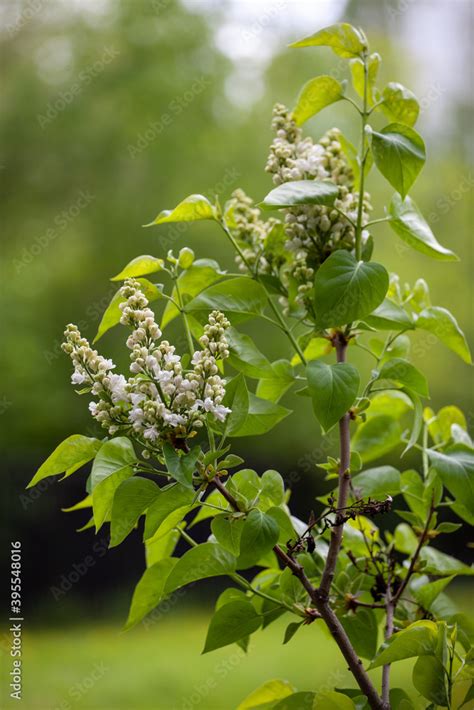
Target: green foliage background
(159, 59)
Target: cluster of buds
(161, 400)
(251, 233)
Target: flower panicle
(160, 398)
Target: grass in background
(99, 668)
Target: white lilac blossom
(314, 231)
(160, 400)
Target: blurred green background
(111, 111)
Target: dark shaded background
(112, 111)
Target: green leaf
(389, 316)
(237, 399)
(291, 589)
(67, 457)
(227, 529)
(246, 484)
(405, 539)
(399, 700)
(262, 416)
(346, 289)
(332, 700)
(419, 494)
(278, 381)
(240, 295)
(427, 592)
(298, 701)
(443, 325)
(171, 498)
(264, 697)
(333, 389)
(404, 373)
(272, 488)
(301, 192)
(351, 154)
(362, 629)
(291, 630)
(149, 591)
(140, 266)
(409, 224)
(417, 418)
(455, 467)
(395, 403)
(358, 78)
(376, 437)
(418, 639)
(203, 273)
(112, 465)
(440, 426)
(259, 535)
(245, 356)
(344, 39)
(400, 104)
(80, 505)
(377, 482)
(284, 523)
(113, 313)
(181, 467)
(230, 623)
(317, 347)
(191, 209)
(206, 560)
(440, 564)
(429, 679)
(315, 95)
(399, 153)
(132, 498)
(161, 547)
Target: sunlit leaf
(315, 95)
(344, 39)
(191, 209)
(399, 153)
(409, 224)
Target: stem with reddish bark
(322, 605)
(340, 343)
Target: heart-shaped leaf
(333, 389)
(399, 104)
(346, 289)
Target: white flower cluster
(313, 231)
(161, 400)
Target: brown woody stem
(322, 605)
(340, 343)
